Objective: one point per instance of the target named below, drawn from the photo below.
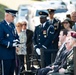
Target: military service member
(58, 59)
(43, 36)
(69, 65)
(8, 42)
(57, 27)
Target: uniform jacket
(65, 61)
(67, 64)
(70, 63)
(57, 27)
(60, 55)
(43, 36)
(7, 34)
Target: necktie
(51, 21)
(10, 25)
(12, 28)
(42, 25)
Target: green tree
(38, 0)
(2, 7)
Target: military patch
(44, 32)
(56, 25)
(71, 57)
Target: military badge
(44, 31)
(56, 25)
(7, 35)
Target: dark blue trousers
(43, 71)
(9, 66)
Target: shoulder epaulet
(57, 19)
(1, 22)
(37, 26)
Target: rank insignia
(44, 31)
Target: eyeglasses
(18, 26)
(65, 22)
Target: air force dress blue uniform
(43, 37)
(57, 27)
(7, 51)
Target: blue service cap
(11, 11)
(51, 10)
(43, 13)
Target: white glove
(15, 44)
(38, 51)
(16, 40)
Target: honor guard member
(43, 36)
(8, 42)
(57, 27)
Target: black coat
(29, 43)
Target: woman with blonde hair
(21, 49)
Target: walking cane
(2, 67)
